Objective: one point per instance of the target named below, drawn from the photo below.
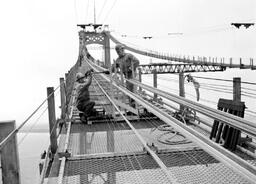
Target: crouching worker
(83, 102)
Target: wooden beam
(52, 119)
(9, 155)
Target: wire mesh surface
(143, 169)
(134, 165)
(117, 137)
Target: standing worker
(124, 62)
(83, 100)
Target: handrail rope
(225, 80)
(207, 87)
(172, 57)
(22, 139)
(206, 84)
(238, 122)
(247, 93)
(3, 143)
(33, 125)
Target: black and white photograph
(128, 92)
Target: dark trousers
(86, 108)
(130, 87)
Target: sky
(39, 39)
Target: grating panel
(143, 169)
(117, 137)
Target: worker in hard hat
(83, 102)
(125, 62)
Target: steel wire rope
(211, 102)
(192, 158)
(87, 9)
(222, 160)
(223, 114)
(156, 158)
(253, 97)
(3, 142)
(250, 89)
(201, 99)
(226, 80)
(36, 121)
(108, 13)
(254, 112)
(175, 133)
(197, 161)
(76, 14)
(105, 2)
(207, 87)
(247, 93)
(215, 28)
(128, 157)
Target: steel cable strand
(190, 157)
(225, 80)
(156, 158)
(113, 122)
(101, 10)
(249, 174)
(235, 121)
(33, 125)
(11, 134)
(209, 144)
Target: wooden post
(155, 82)
(237, 89)
(107, 51)
(62, 98)
(111, 90)
(140, 79)
(52, 119)
(181, 88)
(9, 155)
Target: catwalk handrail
(178, 59)
(240, 123)
(11, 134)
(228, 158)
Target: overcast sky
(39, 39)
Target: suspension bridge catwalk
(147, 144)
(155, 142)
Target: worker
(124, 62)
(83, 100)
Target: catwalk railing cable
(8, 138)
(185, 59)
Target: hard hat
(119, 46)
(79, 75)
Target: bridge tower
(94, 37)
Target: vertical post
(155, 82)
(181, 88)
(237, 89)
(62, 98)
(52, 119)
(140, 79)
(107, 51)
(9, 155)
